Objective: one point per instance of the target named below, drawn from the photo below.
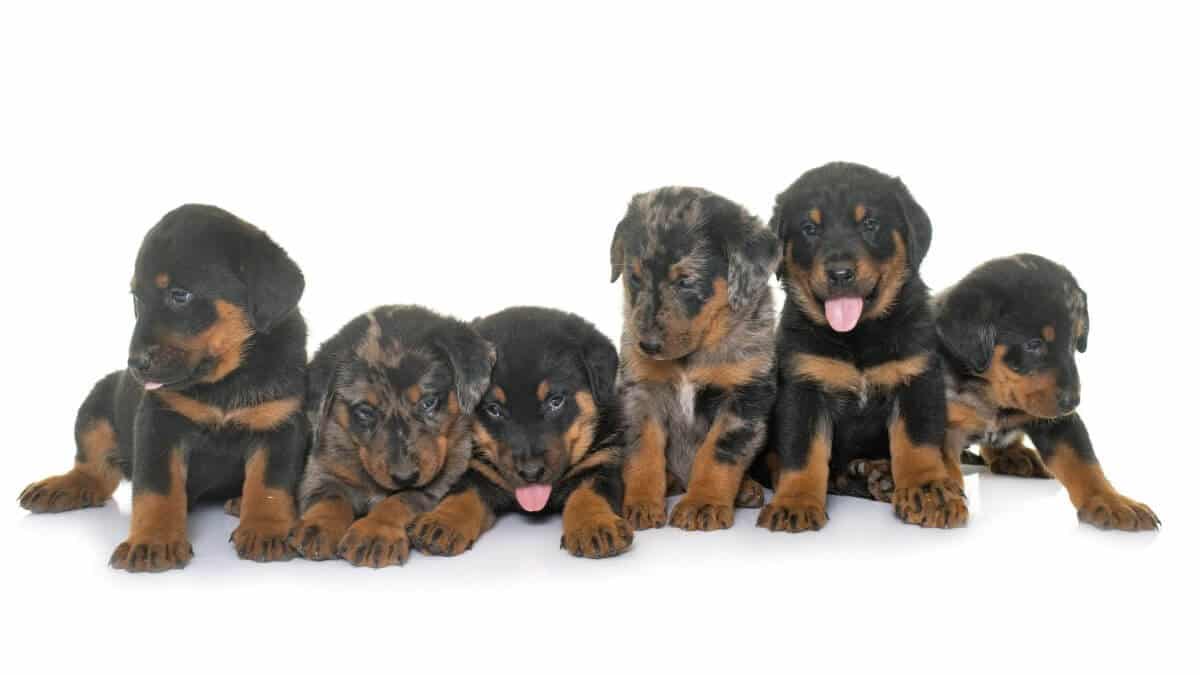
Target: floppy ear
(600, 363)
(918, 231)
(753, 256)
(274, 283)
(1081, 319)
(472, 359)
(964, 330)
(322, 382)
(776, 227)
(616, 252)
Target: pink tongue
(151, 386)
(843, 313)
(533, 498)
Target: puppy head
(554, 372)
(398, 389)
(690, 258)
(852, 237)
(204, 284)
(1017, 322)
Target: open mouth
(843, 313)
(533, 498)
(157, 384)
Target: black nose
(141, 360)
(1068, 400)
(531, 470)
(403, 480)
(840, 274)
(650, 346)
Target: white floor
(1023, 584)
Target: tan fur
(261, 417)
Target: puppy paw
(878, 476)
(316, 539)
(1114, 511)
(599, 536)
(262, 540)
(645, 515)
(936, 504)
(233, 507)
(152, 553)
(750, 495)
(369, 543)
(1016, 460)
(72, 490)
(439, 534)
(701, 514)
(793, 514)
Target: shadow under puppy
(389, 400)
(1009, 332)
(211, 403)
(697, 373)
(859, 373)
(546, 438)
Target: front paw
(1112, 511)
(262, 540)
(935, 504)
(438, 534)
(1016, 460)
(370, 543)
(878, 476)
(644, 515)
(316, 539)
(701, 514)
(599, 536)
(750, 495)
(152, 553)
(799, 513)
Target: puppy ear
(918, 231)
(964, 330)
(1079, 316)
(472, 359)
(753, 257)
(776, 227)
(616, 251)
(273, 282)
(322, 384)
(599, 358)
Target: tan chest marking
(261, 417)
(837, 376)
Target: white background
(473, 158)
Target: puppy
(859, 373)
(389, 400)
(697, 376)
(1009, 332)
(546, 438)
(210, 405)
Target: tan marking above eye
(1048, 333)
(543, 389)
(815, 215)
(162, 280)
(499, 395)
(413, 393)
(860, 212)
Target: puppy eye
(635, 283)
(1034, 346)
(870, 224)
(810, 229)
(556, 402)
(686, 283)
(493, 410)
(179, 297)
(429, 403)
(364, 415)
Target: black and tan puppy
(389, 400)
(859, 373)
(211, 404)
(546, 438)
(1009, 332)
(697, 374)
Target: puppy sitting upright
(210, 405)
(697, 373)
(546, 438)
(390, 401)
(859, 375)
(1009, 332)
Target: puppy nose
(531, 470)
(1068, 400)
(840, 274)
(403, 480)
(650, 346)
